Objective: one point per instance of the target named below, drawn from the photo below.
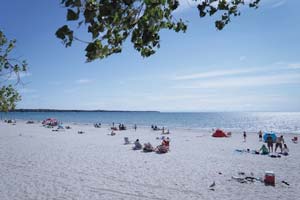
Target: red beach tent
(219, 133)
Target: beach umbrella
(272, 134)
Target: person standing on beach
(135, 127)
(269, 141)
(260, 135)
(245, 136)
(279, 142)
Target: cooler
(269, 178)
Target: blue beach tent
(273, 135)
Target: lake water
(285, 122)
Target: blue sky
(252, 65)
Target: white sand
(36, 163)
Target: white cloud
(186, 4)
(278, 4)
(248, 81)
(294, 65)
(83, 81)
(216, 73)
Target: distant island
(62, 110)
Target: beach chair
(126, 140)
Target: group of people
(278, 141)
(164, 131)
(164, 147)
(155, 128)
(121, 127)
(97, 125)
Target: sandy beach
(38, 163)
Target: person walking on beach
(135, 127)
(269, 141)
(245, 136)
(260, 135)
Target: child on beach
(260, 135)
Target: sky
(251, 65)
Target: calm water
(250, 121)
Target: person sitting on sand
(264, 150)
(148, 147)
(285, 150)
(166, 142)
(269, 141)
(161, 149)
(279, 142)
(137, 145)
(112, 133)
(295, 139)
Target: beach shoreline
(38, 163)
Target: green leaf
(71, 16)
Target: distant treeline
(58, 110)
